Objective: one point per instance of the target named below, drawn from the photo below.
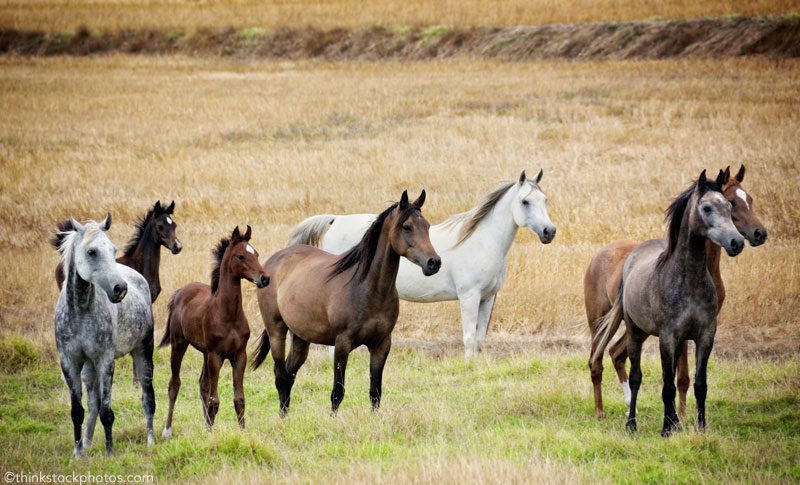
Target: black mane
(61, 229)
(218, 253)
(673, 216)
(138, 232)
(362, 254)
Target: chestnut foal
(212, 320)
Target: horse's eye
(407, 228)
(525, 202)
(92, 252)
(241, 258)
(707, 209)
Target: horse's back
(641, 299)
(346, 231)
(134, 313)
(603, 277)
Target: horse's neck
(498, 228)
(228, 298)
(80, 293)
(382, 274)
(713, 253)
(146, 257)
(689, 257)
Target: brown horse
(345, 301)
(603, 277)
(143, 252)
(212, 320)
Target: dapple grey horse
(103, 312)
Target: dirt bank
(775, 37)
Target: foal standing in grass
(212, 320)
(103, 312)
(346, 301)
(669, 293)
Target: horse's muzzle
(432, 266)
(119, 292)
(176, 247)
(262, 282)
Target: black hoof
(631, 426)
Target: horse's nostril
(433, 263)
(264, 281)
(120, 289)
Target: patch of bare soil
(776, 37)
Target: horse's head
(712, 215)
(529, 208)
(93, 256)
(165, 227)
(744, 219)
(244, 259)
(409, 237)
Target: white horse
(473, 245)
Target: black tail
(165, 340)
(58, 238)
(261, 351)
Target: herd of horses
(339, 281)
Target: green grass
(504, 410)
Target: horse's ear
(248, 233)
(236, 234)
(106, 224)
(539, 176)
(157, 208)
(522, 177)
(702, 179)
(420, 200)
(404, 200)
(727, 174)
(171, 207)
(76, 225)
(740, 174)
(720, 180)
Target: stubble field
(270, 143)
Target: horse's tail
(165, 340)
(64, 227)
(608, 326)
(311, 230)
(261, 351)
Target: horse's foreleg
(470, 304)
(668, 347)
(704, 345)
(143, 362)
(635, 340)
(214, 363)
(89, 376)
(683, 379)
(71, 371)
(340, 355)
(239, 364)
(175, 360)
(377, 360)
(484, 316)
(105, 377)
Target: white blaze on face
(250, 249)
(169, 221)
(743, 195)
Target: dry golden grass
(61, 15)
(270, 143)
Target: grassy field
(68, 15)
(270, 143)
(520, 419)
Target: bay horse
(669, 293)
(604, 275)
(103, 312)
(345, 301)
(473, 246)
(211, 319)
(143, 252)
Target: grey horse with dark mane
(103, 312)
(669, 293)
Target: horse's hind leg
(176, 358)
(635, 339)
(105, 377)
(596, 371)
(143, 363)
(239, 363)
(343, 347)
(72, 375)
(136, 380)
(89, 376)
(297, 357)
(377, 360)
(619, 355)
(683, 379)
(276, 331)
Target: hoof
(166, 434)
(151, 440)
(77, 452)
(86, 443)
(600, 415)
(631, 427)
(109, 451)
